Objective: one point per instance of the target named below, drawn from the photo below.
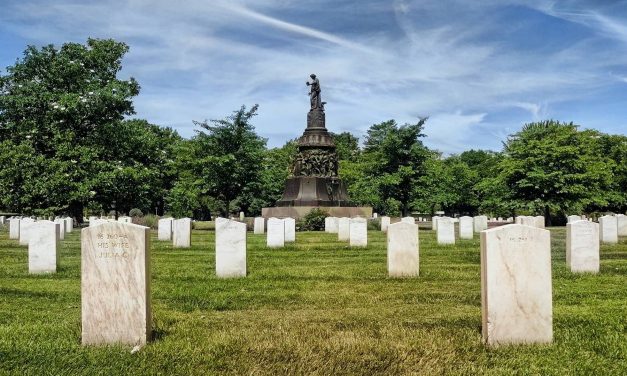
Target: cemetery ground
(315, 306)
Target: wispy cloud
(478, 69)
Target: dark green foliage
(135, 213)
(313, 221)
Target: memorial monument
(314, 181)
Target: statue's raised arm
(314, 93)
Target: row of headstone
(529, 220)
(516, 288)
(280, 231)
(353, 230)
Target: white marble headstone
(330, 225)
(621, 223)
(259, 226)
(608, 229)
(61, 223)
(14, 228)
(385, 222)
(43, 247)
(539, 221)
(115, 284)
(182, 233)
(25, 224)
(516, 297)
(290, 229)
(358, 232)
(69, 225)
(480, 223)
(343, 229)
(402, 249)
(231, 249)
(276, 233)
(434, 223)
(125, 219)
(241, 216)
(466, 225)
(446, 231)
(582, 246)
(573, 218)
(411, 220)
(164, 229)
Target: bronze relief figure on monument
(314, 180)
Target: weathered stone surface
(466, 225)
(516, 297)
(528, 221)
(608, 229)
(25, 224)
(480, 223)
(14, 228)
(43, 247)
(582, 246)
(164, 229)
(621, 223)
(115, 284)
(573, 218)
(446, 231)
(434, 223)
(539, 220)
(358, 232)
(231, 249)
(411, 220)
(182, 233)
(259, 225)
(61, 223)
(241, 216)
(98, 221)
(331, 224)
(125, 219)
(343, 233)
(385, 223)
(276, 233)
(69, 225)
(290, 229)
(402, 248)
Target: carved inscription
(112, 246)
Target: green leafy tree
(394, 160)
(54, 103)
(553, 168)
(221, 165)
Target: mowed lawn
(314, 307)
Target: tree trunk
(547, 216)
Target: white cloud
(452, 60)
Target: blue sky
(478, 69)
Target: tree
(221, 164)
(394, 160)
(54, 103)
(553, 168)
(347, 146)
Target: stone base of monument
(298, 212)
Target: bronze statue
(314, 93)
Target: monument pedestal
(298, 212)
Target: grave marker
(115, 284)
(402, 250)
(231, 249)
(516, 298)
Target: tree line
(68, 147)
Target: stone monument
(314, 180)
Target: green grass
(315, 307)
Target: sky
(479, 70)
